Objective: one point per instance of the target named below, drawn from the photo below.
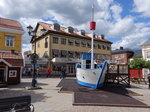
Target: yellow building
(11, 61)
(64, 46)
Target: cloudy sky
(124, 22)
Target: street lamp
(34, 56)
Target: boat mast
(92, 28)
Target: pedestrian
(48, 72)
(37, 73)
(63, 72)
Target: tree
(147, 64)
(139, 63)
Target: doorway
(2, 73)
(71, 69)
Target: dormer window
(70, 29)
(83, 32)
(56, 26)
(9, 42)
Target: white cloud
(122, 27)
(26, 47)
(77, 13)
(142, 6)
(116, 10)
(135, 39)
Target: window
(95, 45)
(148, 54)
(83, 44)
(88, 44)
(55, 40)
(33, 46)
(55, 53)
(99, 46)
(116, 56)
(12, 73)
(63, 41)
(9, 41)
(104, 47)
(77, 43)
(70, 42)
(108, 47)
(122, 55)
(46, 42)
(63, 53)
(77, 55)
(45, 54)
(38, 44)
(70, 54)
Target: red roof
(63, 32)
(8, 23)
(15, 59)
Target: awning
(65, 60)
(70, 52)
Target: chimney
(121, 48)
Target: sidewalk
(49, 100)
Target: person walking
(63, 72)
(37, 73)
(48, 72)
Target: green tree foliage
(139, 63)
(147, 64)
(138, 56)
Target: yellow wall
(77, 48)
(40, 50)
(17, 41)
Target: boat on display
(87, 73)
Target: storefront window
(12, 73)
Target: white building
(146, 50)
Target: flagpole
(92, 28)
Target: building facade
(11, 60)
(64, 46)
(146, 50)
(122, 56)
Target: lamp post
(34, 56)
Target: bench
(16, 104)
(138, 80)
